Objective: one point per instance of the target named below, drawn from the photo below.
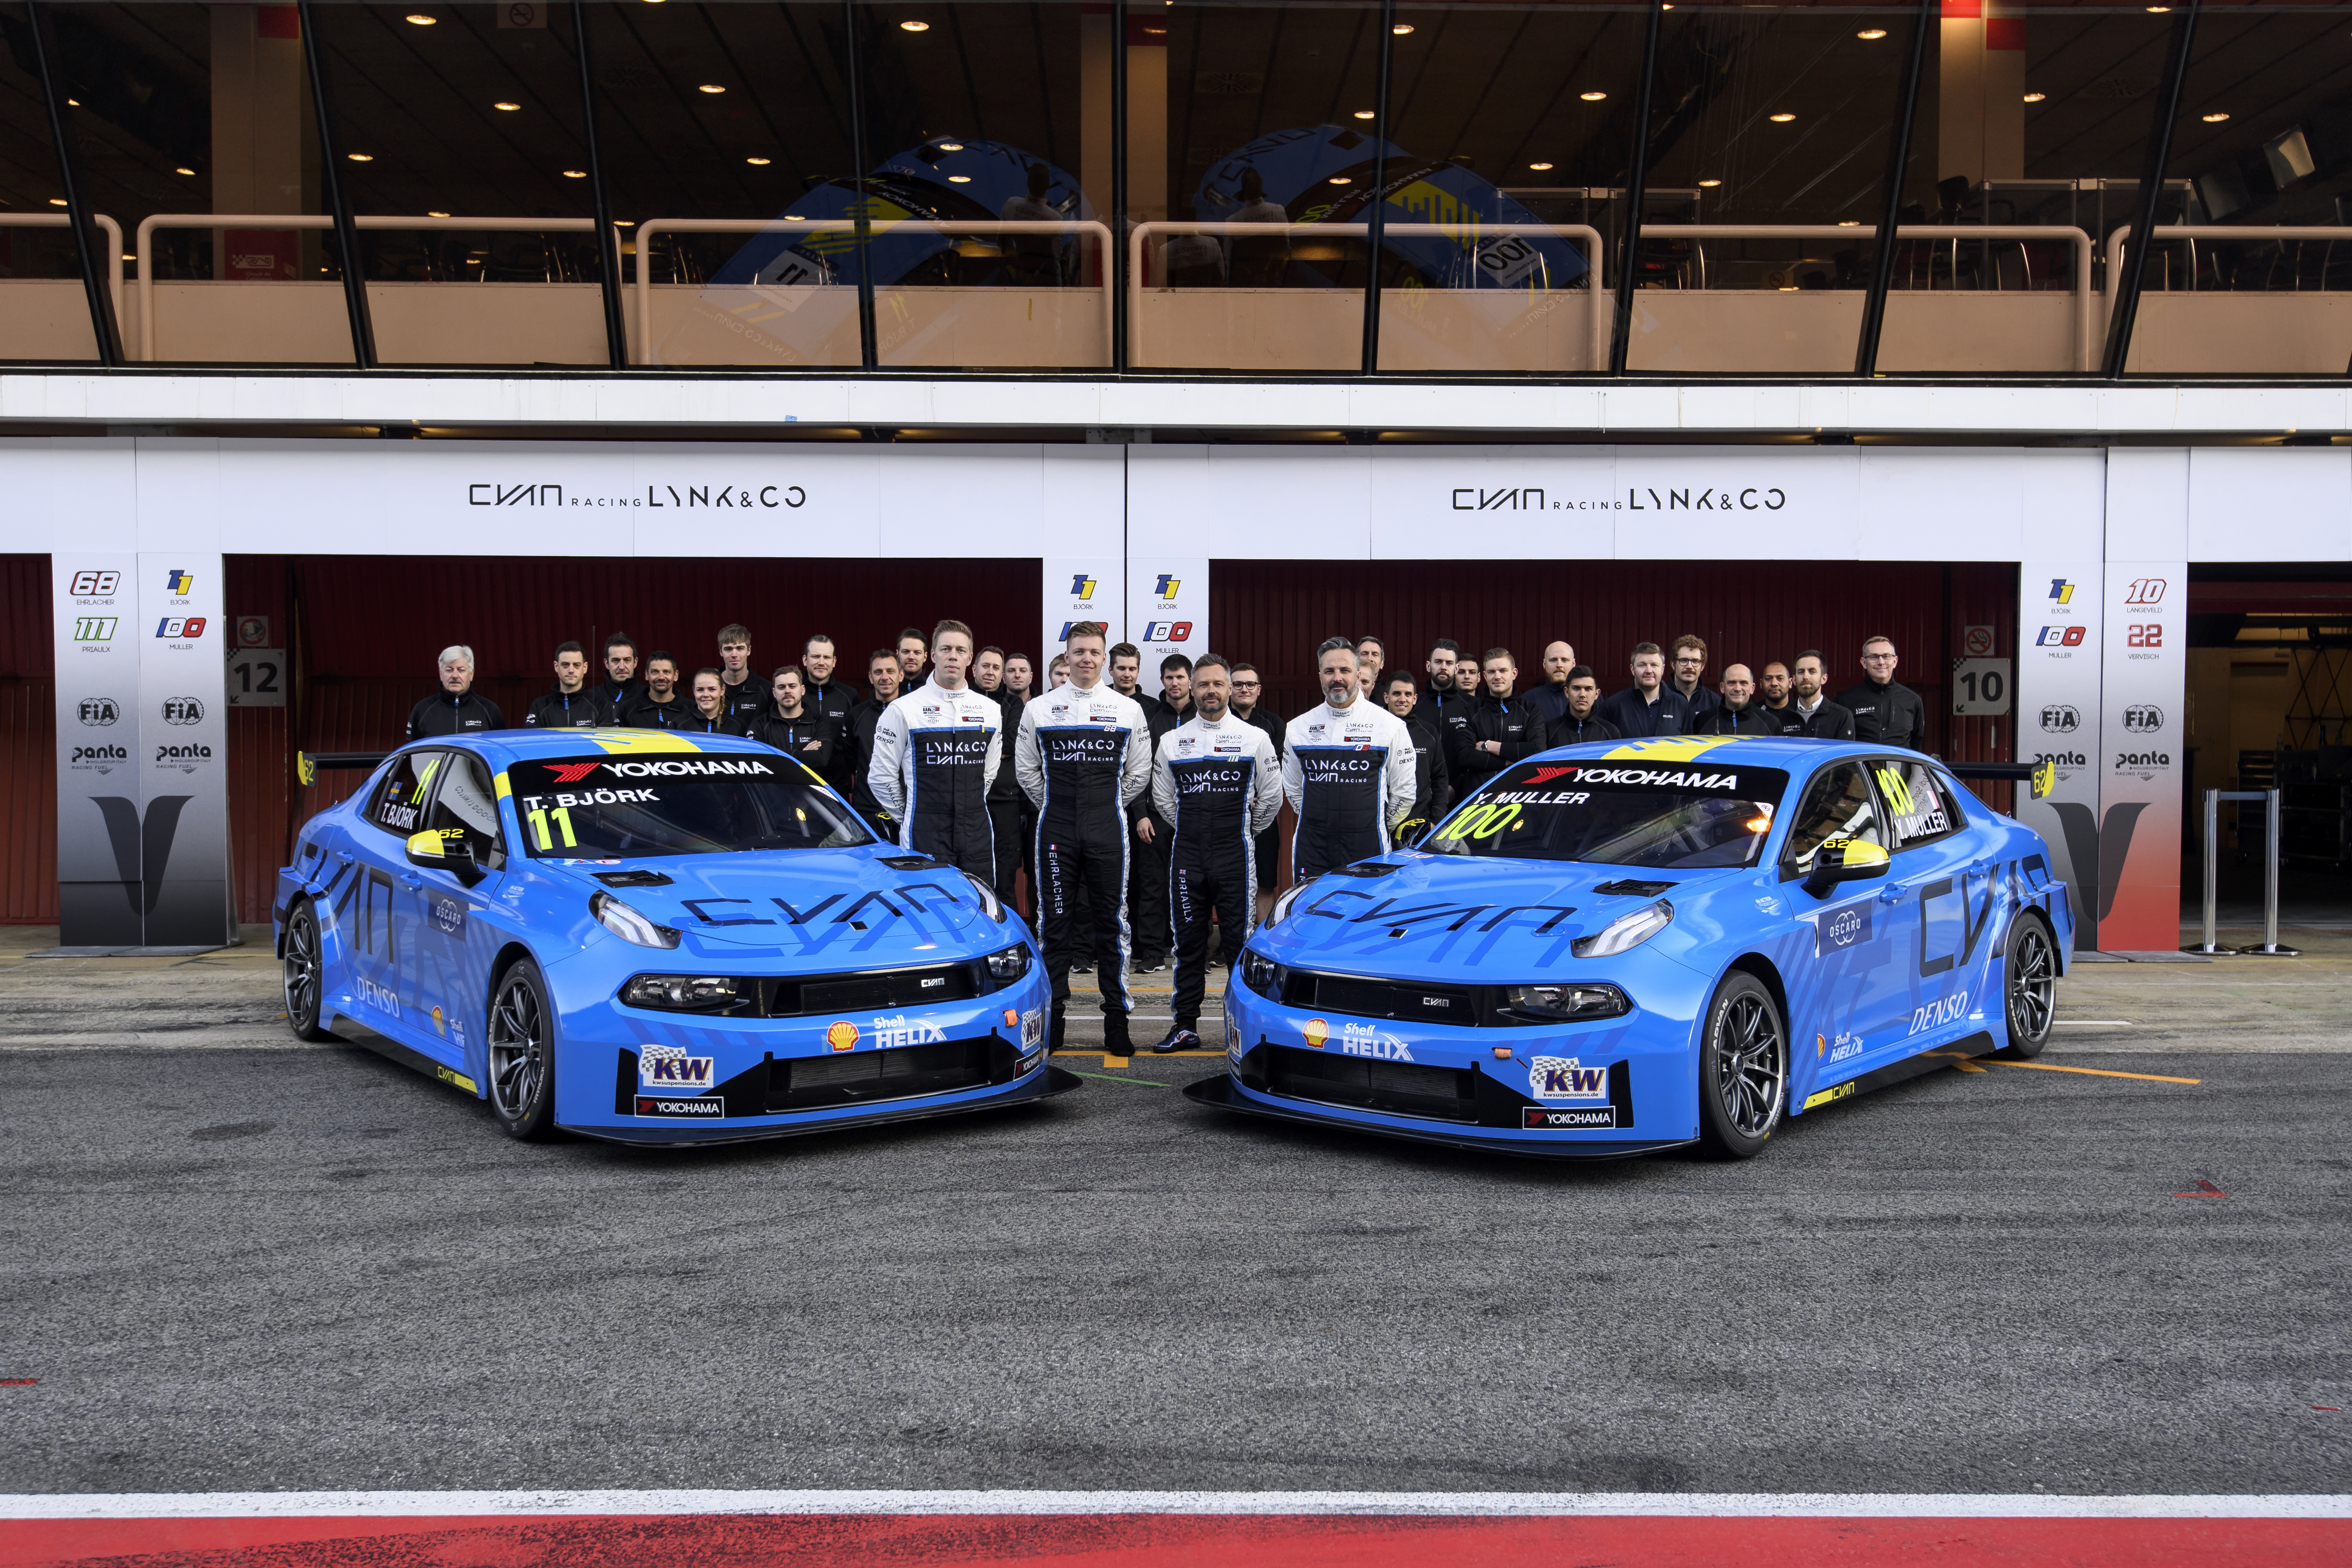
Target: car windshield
(615, 807)
(1670, 816)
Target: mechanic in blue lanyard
(709, 716)
(572, 705)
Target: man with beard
(1347, 768)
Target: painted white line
(1768, 1505)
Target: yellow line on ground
(2093, 1072)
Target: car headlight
(628, 924)
(990, 905)
(1565, 1003)
(1625, 933)
(683, 993)
(1008, 964)
(1262, 975)
(1282, 905)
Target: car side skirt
(1981, 1044)
(1044, 1084)
(1219, 1091)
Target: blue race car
(644, 937)
(1613, 948)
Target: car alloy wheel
(521, 1053)
(1743, 1068)
(304, 974)
(2032, 987)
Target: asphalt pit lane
(228, 1130)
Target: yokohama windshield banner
(2058, 673)
(2141, 756)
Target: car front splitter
(1044, 1085)
(1219, 1091)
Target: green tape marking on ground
(1113, 1078)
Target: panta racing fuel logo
(1565, 1078)
(105, 759)
(182, 710)
(2061, 718)
(1082, 587)
(669, 1067)
(95, 584)
(94, 628)
(97, 712)
(2060, 636)
(179, 580)
(184, 758)
(181, 626)
(2062, 592)
(2143, 719)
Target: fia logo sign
(97, 712)
(2143, 719)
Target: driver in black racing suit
(1218, 786)
(1084, 752)
(1348, 768)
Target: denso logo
(1935, 1014)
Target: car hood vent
(913, 863)
(1368, 868)
(1630, 889)
(635, 879)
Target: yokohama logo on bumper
(1570, 1120)
(650, 1106)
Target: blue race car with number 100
(1620, 947)
(650, 938)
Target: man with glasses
(1688, 663)
(456, 709)
(1885, 712)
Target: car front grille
(854, 1078)
(1399, 1088)
(1460, 1005)
(801, 996)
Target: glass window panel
(728, 153)
(466, 126)
(2032, 118)
(2261, 152)
(1771, 120)
(44, 308)
(1254, 110)
(1513, 131)
(976, 116)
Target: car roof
(504, 746)
(1795, 753)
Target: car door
(1948, 895)
(449, 961)
(380, 933)
(1853, 969)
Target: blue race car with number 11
(650, 938)
(1620, 947)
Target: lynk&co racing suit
(935, 755)
(1348, 773)
(1218, 787)
(1083, 753)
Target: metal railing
(2192, 233)
(147, 228)
(106, 225)
(2268, 947)
(1098, 233)
(2087, 312)
(1589, 237)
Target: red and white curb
(621, 1529)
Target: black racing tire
(303, 978)
(1743, 1068)
(519, 1051)
(2030, 987)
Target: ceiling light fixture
(73, 103)
(758, 162)
(710, 87)
(576, 174)
(1592, 97)
(419, 20)
(1709, 184)
(1872, 34)
(1401, 28)
(2216, 117)
(1849, 223)
(914, 27)
(57, 200)
(1364, 113)
(950, 146)
(795, 217)
(509, 107)
(2035, 97)
(1780, 119)
(360, 157)
(2158, 10)
(190, 173)
(437, 215)
(958, 179)
(1341, 180)
(1538, 168)
(625, 223)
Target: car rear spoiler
(2041, 775)
(307, 764)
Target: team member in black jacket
(1004, 794)
(1582, 723)
(1885, 712)
(456, 709)
(661, 705)
(1685, 664)
(709, 714)
(1147, 860)
(1020, 684)
(573, 704)
(884, 674)
(1248, 703)
(1500, 729)
(787, 724)
(829, 698)
(1809, 712)
(745, 692)
(1433, 788)
(1550, 698)
(620, 687)
(1453, 682)
(1739, 712)
(1648, 707)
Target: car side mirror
(1412, 831)
(444, 849)
(1842, 860)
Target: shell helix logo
(1317, 1032)
(841, 1035)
